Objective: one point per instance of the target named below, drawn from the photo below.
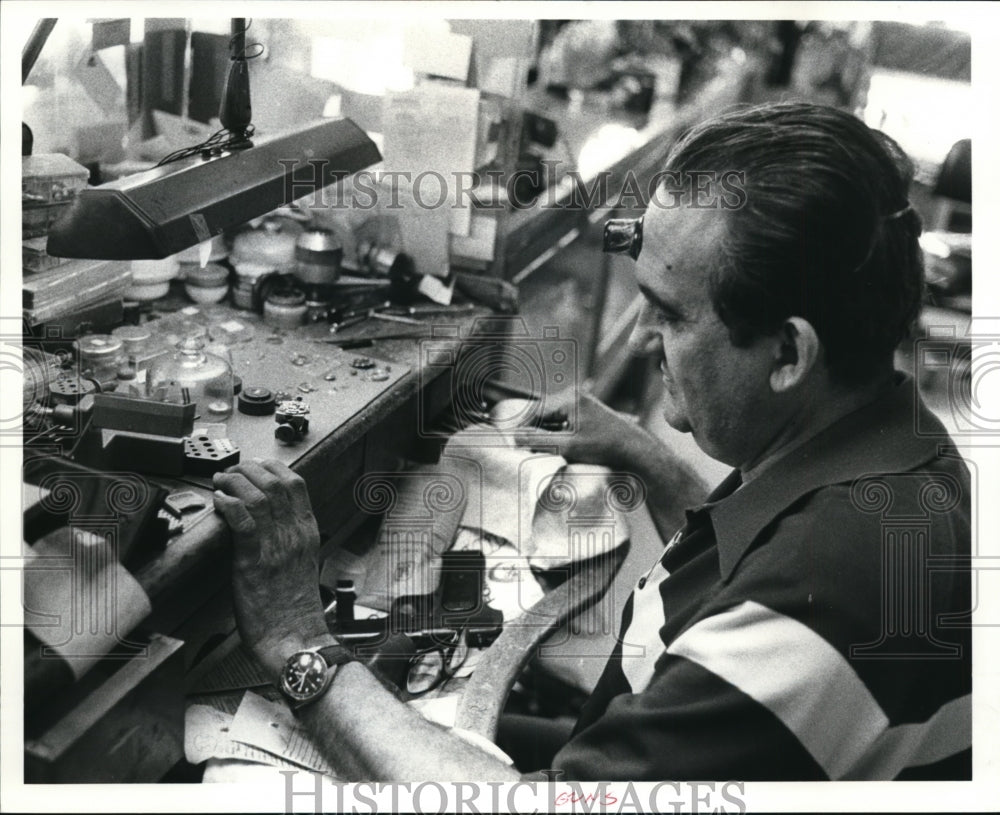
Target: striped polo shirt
(810, 624)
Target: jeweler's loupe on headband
(623, 236)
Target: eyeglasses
(623, 236)
(431, 668)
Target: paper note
(436, 291)
(208, 734)
(424, 217)
(272, 727)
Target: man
(793, 628)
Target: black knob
(286, 433)
(256, 401)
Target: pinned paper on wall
(499, 38)
(437, 51)
(423, 227)
(479, 244)
(98, 81)
(501, 50)
(430, 140)
(108, 33)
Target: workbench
(188, 582)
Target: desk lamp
(211, 187)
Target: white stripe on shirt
(804, 681)
(641, 643)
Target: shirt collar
(879, 437)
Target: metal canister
(318, 254)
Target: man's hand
(605, 436)
(275, 559)
(599, 435)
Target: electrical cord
(217, 142)
(245, 55)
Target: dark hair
(826, 232)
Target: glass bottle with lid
(100, 357)
(191, 374)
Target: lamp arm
(33, 47)
(235, 111)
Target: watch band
(335, 655)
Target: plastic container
(192, 374)
(36, 221)
(271, 247)
(151, 278)
(35, 258)
(50, 178)
(205, 285)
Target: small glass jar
(285, 308)
(191, 374)
(101, 355)
(135, 339)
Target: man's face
(715, 391)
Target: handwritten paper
(208, 734)
(272, 727)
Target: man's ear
(797, 351)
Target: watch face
(304, 675)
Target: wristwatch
(307, 674)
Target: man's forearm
(671, 484)
(370, 735)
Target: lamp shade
(161, 211)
